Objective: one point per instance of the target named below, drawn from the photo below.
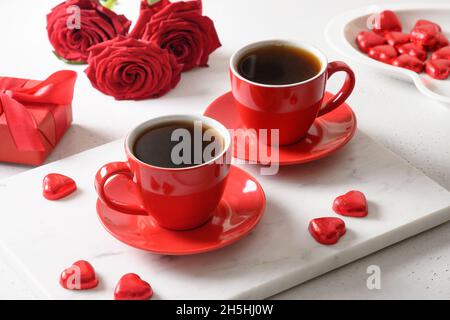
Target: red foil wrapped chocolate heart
(80, 276)
(438, 69)
(427, 35)
(386, 21)
(368, 39)
(132, 287)
(442, 42)
(56, 186)
(443, 53)
(408, 62)
(384, 53)
(327, 230)
(353, 203)
(413, 50)
(395, 38)
(422, 22)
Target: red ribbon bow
(55, 90)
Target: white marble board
(44, 237)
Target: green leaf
(109, 3)
(69, 61)
(151, 2)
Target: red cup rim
(305, 46)
(131, 137)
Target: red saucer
(328, 134)
(239, 211)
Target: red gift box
(34, 115)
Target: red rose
(145, 13)
(181, 28)
(126, 68)
(75, 25)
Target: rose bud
(413, 50)
(384, 53)
(75, 25)
(180, 28)
(368, 39)
(126, 68)
(438, 69)
(443, 53)
(408, 62)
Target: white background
(393, 112)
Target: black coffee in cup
(178, 144)
(275, 64)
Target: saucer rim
(315, 157)
(249, 229)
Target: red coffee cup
(290, 108)
(177, 198)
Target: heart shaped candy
(80, 276)
(352, 204)
(327, 230)
(422, 22)
(442, 53)
(386, 21)
(442, 42)
(384, 53)
(427, 35)
(438, 69)
(56, 186)
(368, 39)
(413, 50)
(408, 62)
(395, 38)
(132, 287)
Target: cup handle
(107, 171)
(344, 92)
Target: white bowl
(342, 30)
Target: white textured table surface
(276, 255)
(392, 112)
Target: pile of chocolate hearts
(425, 47)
